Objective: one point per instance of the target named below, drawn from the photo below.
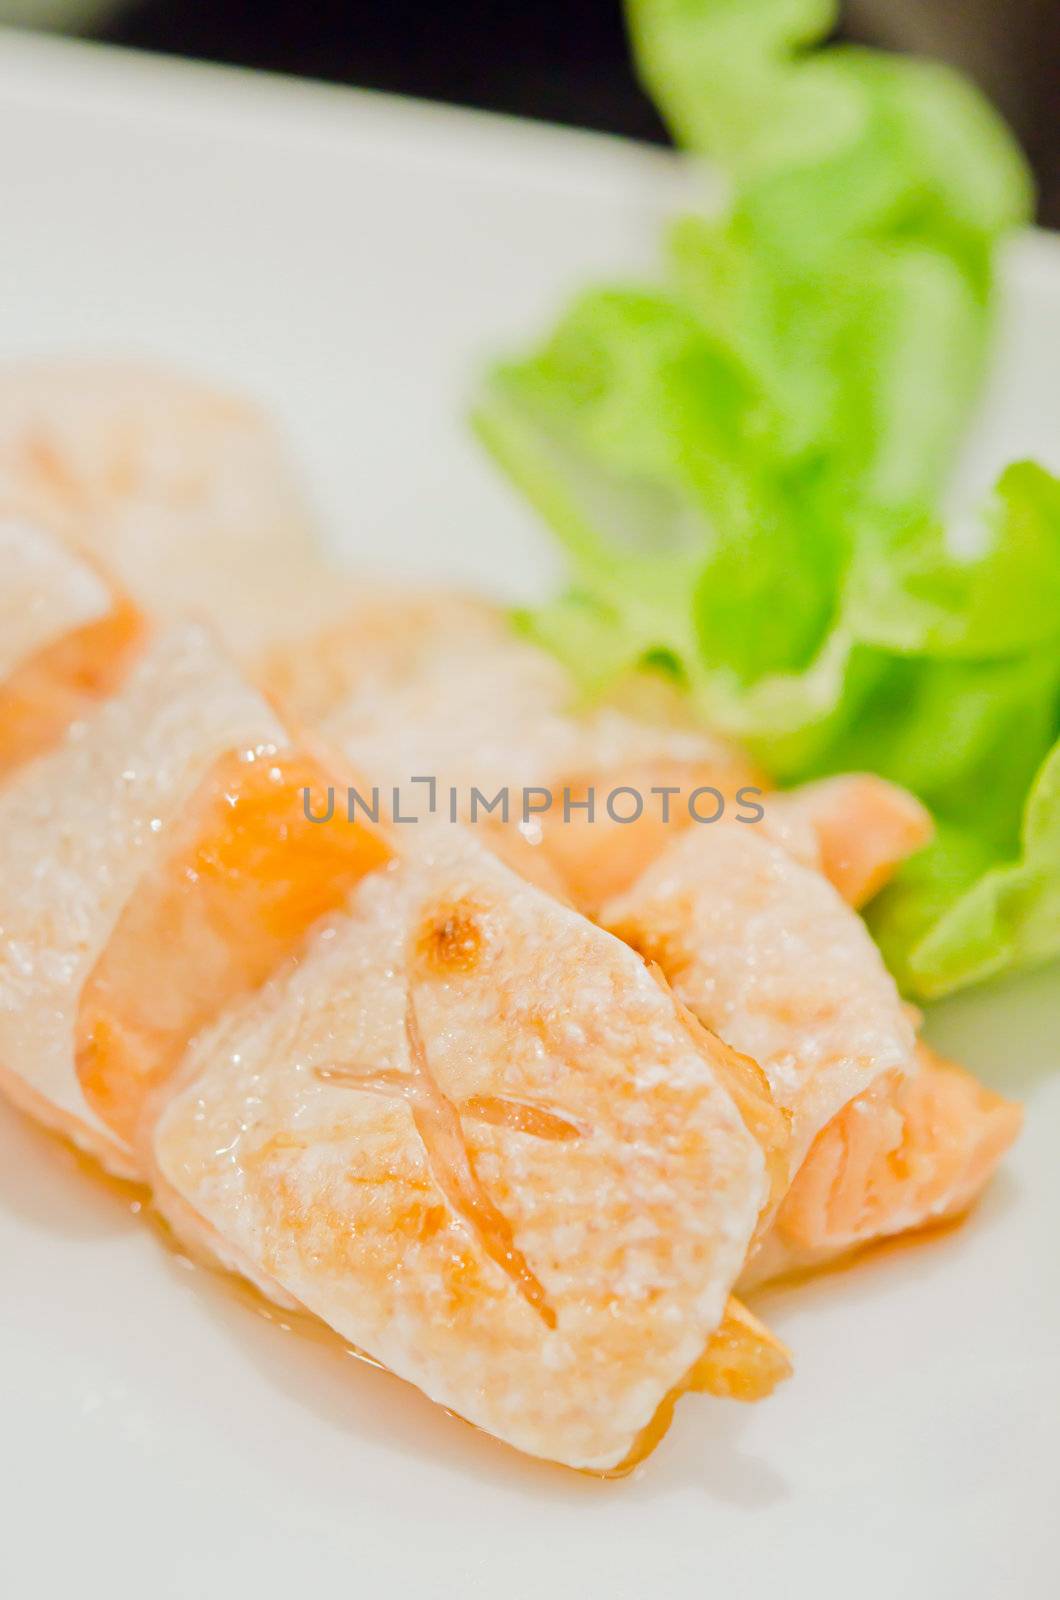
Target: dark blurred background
(567, 60)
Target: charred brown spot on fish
(451, 939)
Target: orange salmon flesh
(248, 876)
(904, 1153)
(63, 682)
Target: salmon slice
(472, 1133)
(440, 685)
(62, 684)
(764, 952)
(857, 829)
(67, 641)
(79, 828)
(886, 1137)
(599, 854)
(184, 494)
(905, 1153)
(245, 874)
(46, 592)
(389, 640)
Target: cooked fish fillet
(244, 875)
(473, 1134)
(906, 1153)
(439, 685)
(856, 828)
(68, 640)
(765, 951)
(45, 592)
(78, 828)
(184, 494)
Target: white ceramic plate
(348, 259)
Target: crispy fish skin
(78, 827)
(472, 1133)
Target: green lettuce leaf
(914, 595)
(744, 460)
(983, 922)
